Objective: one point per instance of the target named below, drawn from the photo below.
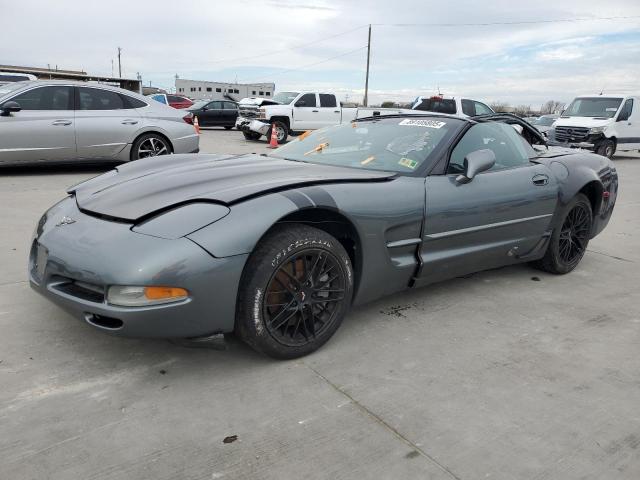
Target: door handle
(61, 122)
(540, 179)
(314, 111)
(336, 111)
(129, 122)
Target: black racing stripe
(320, 196)
(300, 200)
(628, 139)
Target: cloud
(258, 40)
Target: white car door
(628, 126)
(329, 109)
(43, 129)
(105, 123)
(306, 113)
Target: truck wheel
(251, 135)
(606, 148)
(281, 132)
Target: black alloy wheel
(569, 239)
(574, 235)
(295, 290)
(303, 297)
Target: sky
(418, 47)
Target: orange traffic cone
(273, 143)
(196, 124)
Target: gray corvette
(278, 247)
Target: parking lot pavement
(506, 374)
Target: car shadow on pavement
(36, 169)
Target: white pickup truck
(290, 112)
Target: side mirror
(10, 107)
(300, 103)
(476, 162)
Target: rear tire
(295, 290)
(251, 135)
(606, 148)
(569, 240)
(150, 145)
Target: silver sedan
(62, 121)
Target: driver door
(500, 215)
(306, 113)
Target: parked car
(60, 121)
(215, 113)
(175, 101)
(604, 124)
(544, 123)
(277, 248)
(462, 107)
(10, 77)
(292, 111)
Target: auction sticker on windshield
(422, 123)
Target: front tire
(150, 145)
(569, 240)
(606, 148)
(282, 132)
(251, 135)
(296, 288)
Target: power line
(302, 67)
(273, 52)
(518, 22)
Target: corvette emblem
(65, 221)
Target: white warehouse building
(200, 89)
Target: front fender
(239, 232)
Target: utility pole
(119, 64)
(366, 82)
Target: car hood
(145, 187)
(588, 122)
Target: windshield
(285, 98)
(593, 107)
(544, 121)
(392, 144)
(10, 87)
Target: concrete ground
(506, 374)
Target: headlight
(182, 220)
(262, 113)
(131, 296)
(595, 130)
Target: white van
(603, 123)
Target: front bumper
(252, 125)
(73, 264)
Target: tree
(522, 110)
(499, 106)
(552, 106)
(388, 104)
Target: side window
(98, 99)
(482, 109)
(309, 100)
(327, 100)
(507, 145)
(230, 106)
(468, 107)
(214, 106)
(131, 102)
(46, 98)
(625, 113)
